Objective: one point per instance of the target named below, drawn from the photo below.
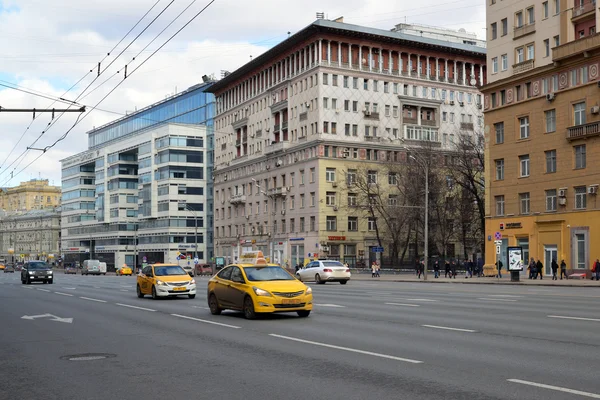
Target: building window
(372, 176)
(494, 65)
(331, 223)
(500, 169)
(325, 102)
(352, 199)
(365, 84)
(546, 47)
(519, 19)
(312, 175)
(392, 200)
(334, 79)
(313, 200)
(524, 127)
(524, 165)
(302, 201)
(580, 242)
(550, 161)
(584, 75)
(580, 197)
(325, 79)
(494, 31)
(330, 198)
(530, 15)
(504, 23)
(499, 205)
(301, 228)
(504, 60)
(313, 224)
(354, 83)
(525, 203)
(530, 52)
(352, 224)
(579, 113)
(574, 77)
(580, 158)
(392, 178)
(371, 224)
(550, 120)
(545, 10)
(346, 81)
(330, 174)
(551, 200)
(520, 55)
(334, 128)
(556, 40)
(499, 128)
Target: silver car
(322, 271)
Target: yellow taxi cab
(254, 286)
(124, 270)
(165, 280)
(2, 266)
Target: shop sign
(336, 238)
(296, 239)
(513, 225)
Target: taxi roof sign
(251, 257)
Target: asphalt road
(364, 340)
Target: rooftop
(341, 28)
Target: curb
(482, 283)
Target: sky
(48, 48)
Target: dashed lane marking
(136, 307)
(447, 328)
(556, 388)
(90, 299)
(403, 304)
(206, 321)
(64, 294)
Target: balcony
(276, 128)
(302, 139)
(523, 30)
(426, 122)
(576, 47)
(238, 199)
(467, 126)
(522, 67)
(372, 139)
(280, 105)
(275, 147)
(239, 159)
(238, 142)
(371, 114)
(284, 126)
(583, 131)
(583, 11)
(278, 191)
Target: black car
(36, 271)
(9, 268)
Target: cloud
(49, 46)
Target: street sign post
(498, 235)
(497, 249)
(377, 249)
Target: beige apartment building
(542, 117)
(31, 195)
(333, 97)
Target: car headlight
(49, 272)
(308, 290)
(193, 282)
(260, 292)
(30, 272)
(161, 283)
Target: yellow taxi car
(258, 287)
(165, 280)
(124, 270)
(2, 266)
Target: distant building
(31, 235)
(143, 185)
(31, 195)
(433, 32)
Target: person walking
(373, 269)
(436, 269)
(532, 268)
(596, 270)
(499, 266)
(447, 269)
(453, 269)
(539, 270)
(563, 270)
(419, 269)
(377, 269)
(554, 267)
(471, 266)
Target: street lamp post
(196, 230)
(271, 219)
(425, 166)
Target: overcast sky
(48, 46)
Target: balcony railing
(467, 126)
(302, 139)
(276, 128)
(576, 47)
(584, 9)
(239, 159)
(524, 30)
(426, 122)
(284, 125)
(278, 191)
(372, 139)
(238, 142)
(238, 199)
(522, 67)
(583, 131)
(371, 114)
(279, 146)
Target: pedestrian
(539, 268)
(479, 267)
(471, 266)
(373, 269)
(563, 270)
(436, 269)
(419, 269)
(447, 269)
(453, 269)
(554, 267)
(596, 270)
(377, 269)
(532, 268)
(499, 266)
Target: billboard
(515, 258)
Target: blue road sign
(377, 249)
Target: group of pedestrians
(537, 268)
(450, 268)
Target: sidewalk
(460, 279)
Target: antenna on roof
(320, 15)
(289, 34)
(250, 57)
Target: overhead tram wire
(64, 136)
(50, 124)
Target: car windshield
(169, 270)
(258, 274)
(38, 265)
(332, 264)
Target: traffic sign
(498, 242)
(497, 249)
(196, 260)
(377, 250)
(498, 235)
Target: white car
(324, 271)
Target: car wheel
(303, 313)
(45, 282)
(139, 292)
(154, 296)
(343, 282)
(192, 296)
(318, 279)
(51, 281)
(249, 308)
(213, 304)
(22, 282)
(28, 281)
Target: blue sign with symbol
(377, 249)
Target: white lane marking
(449, 329)
(557, 388)
(69, 288)
(421, 300)
(64, 294)
(96, 287)
(576, 318)
(26, 287)
(206, 321)
(401, 304)
(90, 299)
(124, 290)
(494, 299)
(330, 305)
(136, 307)
(44, 290)
(203, 308)
(331, 346)
(502, 295)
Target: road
(382, 340)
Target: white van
(93, 267)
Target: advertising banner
(515, 258)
